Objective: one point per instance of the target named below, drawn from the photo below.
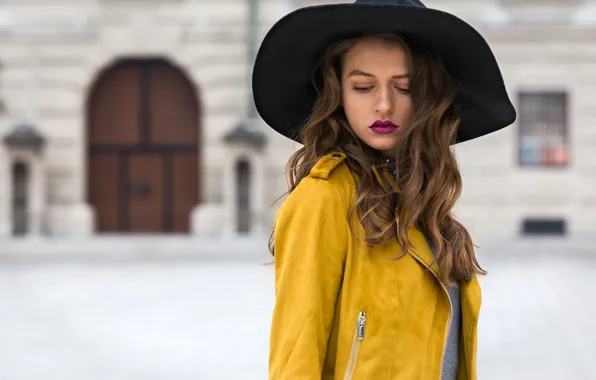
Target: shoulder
(327, 165)
(332, 171)
(330, 183)
(333, 168)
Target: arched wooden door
(143, 135)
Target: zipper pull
(361, 323)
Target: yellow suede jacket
(347, 311)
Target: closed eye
(367, 89)
(362, 89)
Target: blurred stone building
(134, 116)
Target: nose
(384, 105)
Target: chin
(383, 144)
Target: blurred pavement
(206, 319)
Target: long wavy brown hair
(429, 179)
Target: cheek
(353, 106)
(351, 102)
(407, 107)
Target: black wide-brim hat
(282, 80)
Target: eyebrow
(359, 72)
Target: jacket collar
(385, 179)
(421, 247)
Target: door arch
(143, 129)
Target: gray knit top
(451, 358)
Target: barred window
(543, 135)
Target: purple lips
(383, 127)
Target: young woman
(374, 277)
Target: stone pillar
(37, 196)
(5, 193)
(258, 195)
(230, 192)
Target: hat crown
(406, 3)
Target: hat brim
(284, 94)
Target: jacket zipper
(450, 310)
(358, 337)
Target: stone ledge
(123, 248)
(114, 249)
(583, 244)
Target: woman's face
(376, 91)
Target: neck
(390, 165)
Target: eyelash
(367, 89)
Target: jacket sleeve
(310, 247)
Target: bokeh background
(137, 190)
